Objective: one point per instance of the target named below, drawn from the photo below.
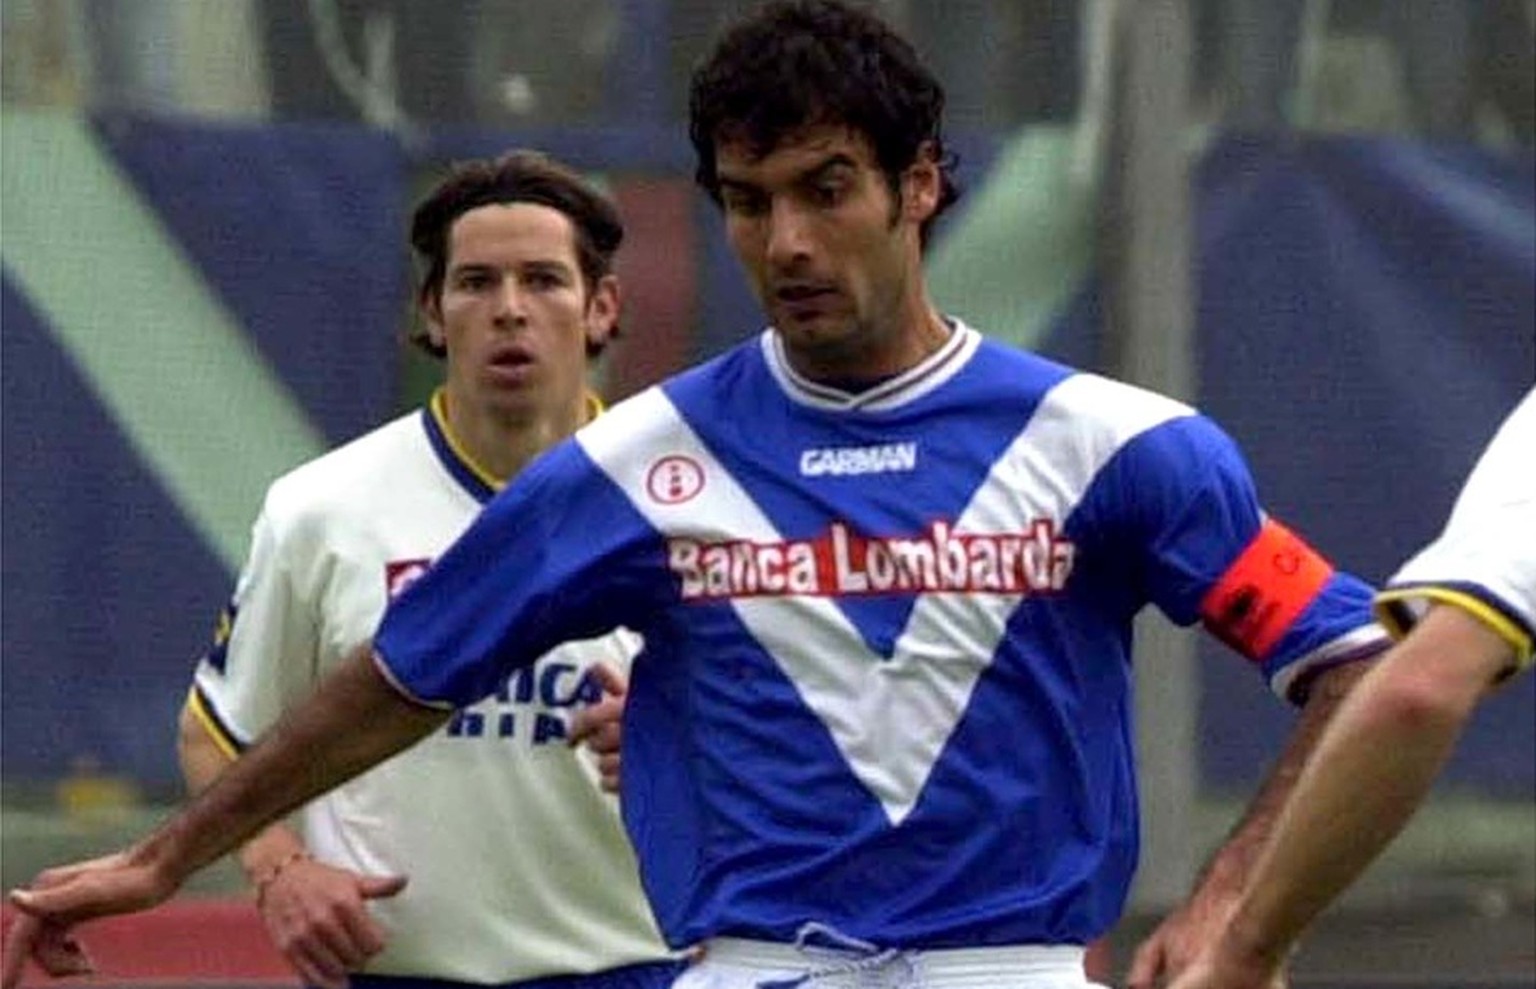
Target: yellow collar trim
(438, 406)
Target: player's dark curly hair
(795, 63)
(515, 177)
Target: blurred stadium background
(1314, 219)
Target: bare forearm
(203, 759)
(352, 722)
(1372, 770)
(1234, 862)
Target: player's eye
(828, 193)
(741, 202)
(544, 280)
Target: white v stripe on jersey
(889, 718)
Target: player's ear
(430, 304)
(921, 184)
(603, 312)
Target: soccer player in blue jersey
(1466, 608)
(886, 572)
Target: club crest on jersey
(674, 479)
(839, 461)
(842, 562)
(399, 574)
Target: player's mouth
(512, 364)
(804, 300)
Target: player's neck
(502, 443)
(874, 356)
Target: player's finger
(53, 948)
(598, 726)
(88, 894)
(608, 772)
(337, 935)
(604, 735)
(317, 961)
(59, 953)
(380, 887)
(1146, 964)
(18, 948)
(610, 679)
(314, 973)
(365, 936)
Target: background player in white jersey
(516, 295)
(1466, 608)
(886, 571)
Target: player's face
(832, 252)
(515, 313)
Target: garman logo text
(842, 563)
(838, 460)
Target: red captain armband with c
(1264, 591)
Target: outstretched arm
(1176, 942)
(1373, 769)
(316, 914)
(355, 720)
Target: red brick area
(192, 939)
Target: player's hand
(317, 916)
(1181, 938)
(53, 947)
(1217, 970)
(60, 898)
(601, 726)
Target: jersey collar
(905, 387)
(474, 478)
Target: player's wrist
(262, 881)
(268, 854)
(1242, 950)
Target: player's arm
(1372, 770)
(315, 913)
(355, 720)
(1212, 555)
(202, 759)
(1184, 933)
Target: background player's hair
(515, 177)
(799, 62)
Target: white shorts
(730, 963)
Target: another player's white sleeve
(1485, 560)
(263, 655)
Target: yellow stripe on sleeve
(1395, 609)
(212, 725)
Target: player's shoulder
(1104, 419)
(334, 480)
(1107, 404)
(656, 415)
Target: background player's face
(832, 254)
(515, 313)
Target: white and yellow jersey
(1485, 560)
(518, 864)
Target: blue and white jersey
(886, 683)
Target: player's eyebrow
(548, 265)
(809, 174)
(469, 268)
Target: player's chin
(813, 330)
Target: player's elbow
(1416, 702)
